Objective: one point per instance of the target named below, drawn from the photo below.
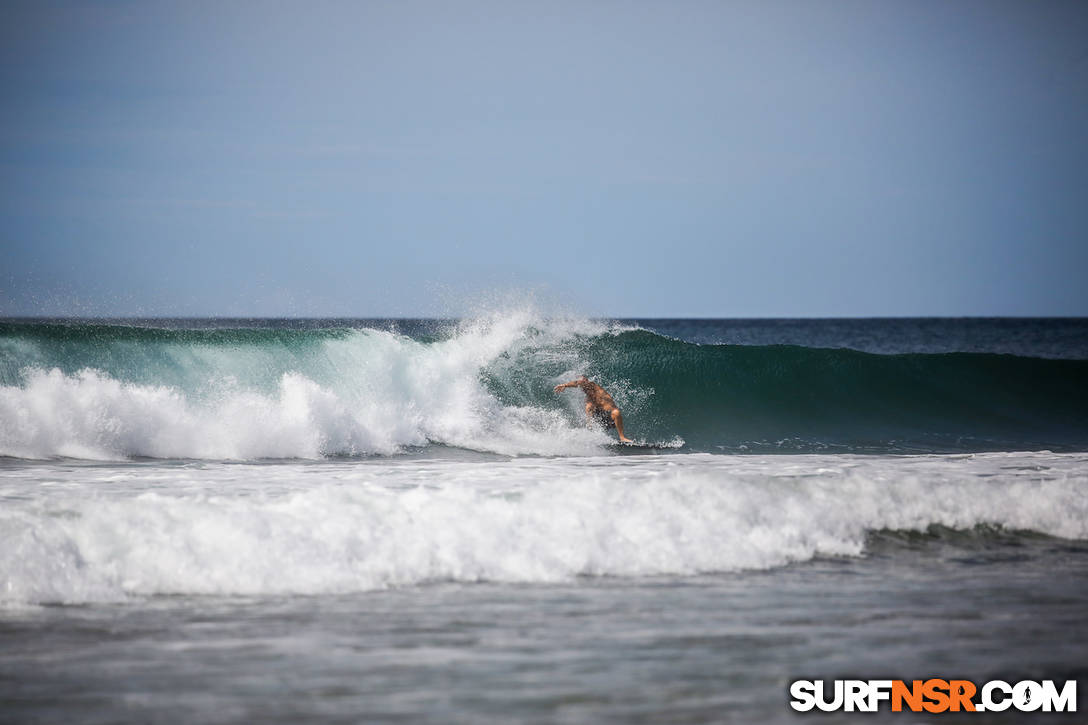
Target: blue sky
(721, 159)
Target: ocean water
(400, 521)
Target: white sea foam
(105, 533)
(368, 392)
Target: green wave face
(717, 398)
(781, 398)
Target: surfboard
(673, 445)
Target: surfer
(599, 405)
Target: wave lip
(298, 529)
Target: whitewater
(107, 534)
(399, 520)
(337, 392)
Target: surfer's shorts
(604, 417)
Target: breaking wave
(301, 528)
(100, 391)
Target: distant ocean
(400, 521)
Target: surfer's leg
(617, 418)
(590, 408)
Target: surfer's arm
(563, 386)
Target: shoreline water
(711, 648)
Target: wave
(317, 529)
(778, 397)
(99, 391)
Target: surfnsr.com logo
(933, 695)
